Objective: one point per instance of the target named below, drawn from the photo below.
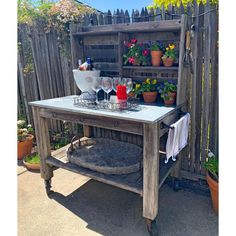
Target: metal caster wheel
(152, 227)
(176, 185)
(48, 187)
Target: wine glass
(129, 84)
(106, 85)
(97, 86)
(116, 81)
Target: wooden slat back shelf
(105, 45)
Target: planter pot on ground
(168, 62)
(171, 100)
(149, 96)
(31, 166)
(24, 148)
(213, 185)
(156, 58)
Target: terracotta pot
(171, 99)
(150, 96)
(156, 58)
(31, 166)
(24, 148)
(168, 62)
(213, 185)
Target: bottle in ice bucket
(83, 66)
(86, 65)
(121, 96)
(89, 64)
(79, 63)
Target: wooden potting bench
(145, 126)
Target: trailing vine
(53, 16)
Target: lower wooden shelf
(132, 182)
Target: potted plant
(24, 139)
(148, 89)
(212, 176)
(156, 53)
(169, 56)
(32, 161)
(137, 55)
(167, 91)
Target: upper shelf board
(151, 26)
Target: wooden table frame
(151, 142)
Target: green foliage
(165, 3)
(156, 46)
(23, 130)
(58, 14)
(61, 139)
(212, 165)
(33, 159)
(148, 85)
(166, 88)
(136, 54)
(170, 52)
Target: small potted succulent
(156, 49)
(137, 55)
(24, 139)
(32, 161)
(148, 89)
(169, 56)
(168, 91)
(212, 167)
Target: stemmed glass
(129, 84)
(97, 86)
(116, 81)
(106, 85)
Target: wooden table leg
(43, 143)
(151, 143)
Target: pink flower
(129, 45)
(131, 60)
(134, 41)
(145, 52)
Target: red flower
(134, 41)
(145, 52)
(129, 45)
(131, 60)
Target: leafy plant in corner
(33, 159)
(212, 165)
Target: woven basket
(105, 155)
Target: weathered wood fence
(45, 71)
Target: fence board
(206, 88)
(196, 98)
(213, 142)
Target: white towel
(177, 137)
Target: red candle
(121, 92)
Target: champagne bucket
(84, 79)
